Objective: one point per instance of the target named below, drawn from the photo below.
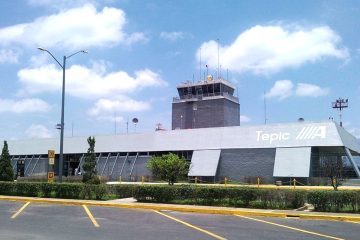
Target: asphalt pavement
(36, 220)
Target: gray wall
(219, 112)
(242, 164)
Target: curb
(186, 208)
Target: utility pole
(340, 104)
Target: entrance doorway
(71, 164)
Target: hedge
(323, 200)
(64, 190)
(230, 196)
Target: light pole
(63, 66)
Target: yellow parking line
(352, 222)
(91, 216)
(20, 210)
(192, 226)
(292, 228)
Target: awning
(204, 163)
(292, 162)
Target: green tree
(90, 175)
(168, 167)
(333, 167)
(6, 171)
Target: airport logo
(311, 133)
(306, 133)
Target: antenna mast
(340, 104)
(265, 113)
(115, 122)
(200, 66)
(218, 70)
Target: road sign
(50, 177)
(51, 156)
(51, 153)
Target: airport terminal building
(216, 150)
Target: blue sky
(302, 54)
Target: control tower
(205, 104)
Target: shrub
(339, 201)
(324, 200)
(168, 167)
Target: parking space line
(20, 210)
(352, 222)
(191, 226)
(292, 228)
(91, 216)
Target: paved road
(34, 221)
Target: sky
(294, 57)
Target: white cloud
(24, 105)
(310, 90)
(86, 82)
(244, 119)
(8, 56)
(282, 89)
(355, 132)
(269, 49)
(76, 28)
(38, 131)
(60, 4)
(108, 108)
(172, 36)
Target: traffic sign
(51, 156)
(51, 153)
(51, 177)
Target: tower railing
(204, 95)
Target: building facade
(269, 152)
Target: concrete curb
(187, 208)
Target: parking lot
(20, 220)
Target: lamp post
(63, 66)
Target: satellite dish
(135, 120)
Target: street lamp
(63, 66)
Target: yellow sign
(50, 176)
(51, 156)
(51, 153)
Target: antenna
(218, 71)
(340, 104)
(265, 113)
(200, 65)
(207, 70)
(72, 129)
(135, 121)
(115, 122)
(127, 126)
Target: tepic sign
(306, 133)
(271, 137)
